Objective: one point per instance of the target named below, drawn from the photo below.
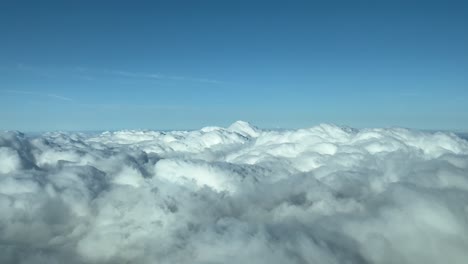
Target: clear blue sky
(94, 65)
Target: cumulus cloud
(325, 194)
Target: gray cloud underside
(234, 195)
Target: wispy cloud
(60, 97)
(30, 93)
(159, 76)
(101, 106)
(126, 106)
(19, 92)
(93, 74)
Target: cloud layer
(240, 194)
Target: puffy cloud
(325, 194)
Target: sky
(108, 65)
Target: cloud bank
(240, 194)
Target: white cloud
(324, 194)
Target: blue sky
(97, 65)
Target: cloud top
(325, 194)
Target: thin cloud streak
(50, 95)
(102, 106)
(59, 97)
(92, 74)
(160, 76)
(116, 106)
